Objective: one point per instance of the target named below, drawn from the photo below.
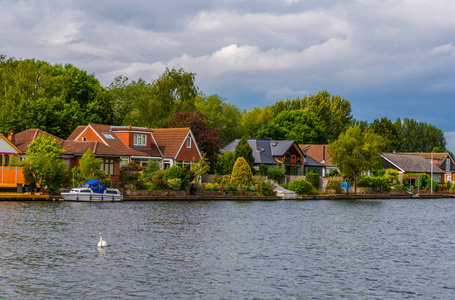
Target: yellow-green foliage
(241, 172)
(391, 175)
(212, 187)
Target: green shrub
(226, 179)
(150, 169)
(241, 173)
(133, 177)
(159, 184)
(374, 182)
(177, 172)
(399, 187)
(284, 186)
(262, 169)
(217, 179)
(277, 173)
(333, 184)
(267, 188)
(313, 178)
(301, 187)
(334, 173)
(174, 184)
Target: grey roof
(411, 163)
(264, 150)
(279, 148)
(310, 162)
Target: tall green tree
(41, 165)
(54, 98)
(254, 119)
(153, 104)
(357, 151)
(302, 126)
(221, 115)
(243, 149)
(333, 111)
(384, 127)
(414, 136)
(225, 162)
(90, 167)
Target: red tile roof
(166, 142)
(170, 140)
(116, 146)
(24, 138)
(320, 153)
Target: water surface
(373, 249)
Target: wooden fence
(11, 176)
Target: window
(447, 164)
(84, 138)
(140, 140)
(448, 178)
(437, 178)
(108, 166)
(108, 136)
(188, 143)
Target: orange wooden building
(9, 176)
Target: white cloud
(447, 48)
(266, 48)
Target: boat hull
(92, 197)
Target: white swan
(102, 243)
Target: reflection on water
(285, 249)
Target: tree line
(57, 98)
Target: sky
(389, 58)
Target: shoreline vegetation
(59, 98)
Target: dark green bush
(177, 172)
(313, 178)
(262, 169)
(301, 187)
(277, 173)
(133, 177)
(267, 188)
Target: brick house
(120, 145)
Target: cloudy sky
(390, 58)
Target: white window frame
(140, 140)
(448, 177)
(188, 143)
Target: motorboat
(93, 190)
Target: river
(358, 249)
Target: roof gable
(6, 147)
(267, 151)
(24, 138)
(171, 140)
(319, 153)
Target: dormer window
(140, 140)
(188, 143)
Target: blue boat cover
(96, 186)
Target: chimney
(12, 137)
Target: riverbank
(26, 197)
